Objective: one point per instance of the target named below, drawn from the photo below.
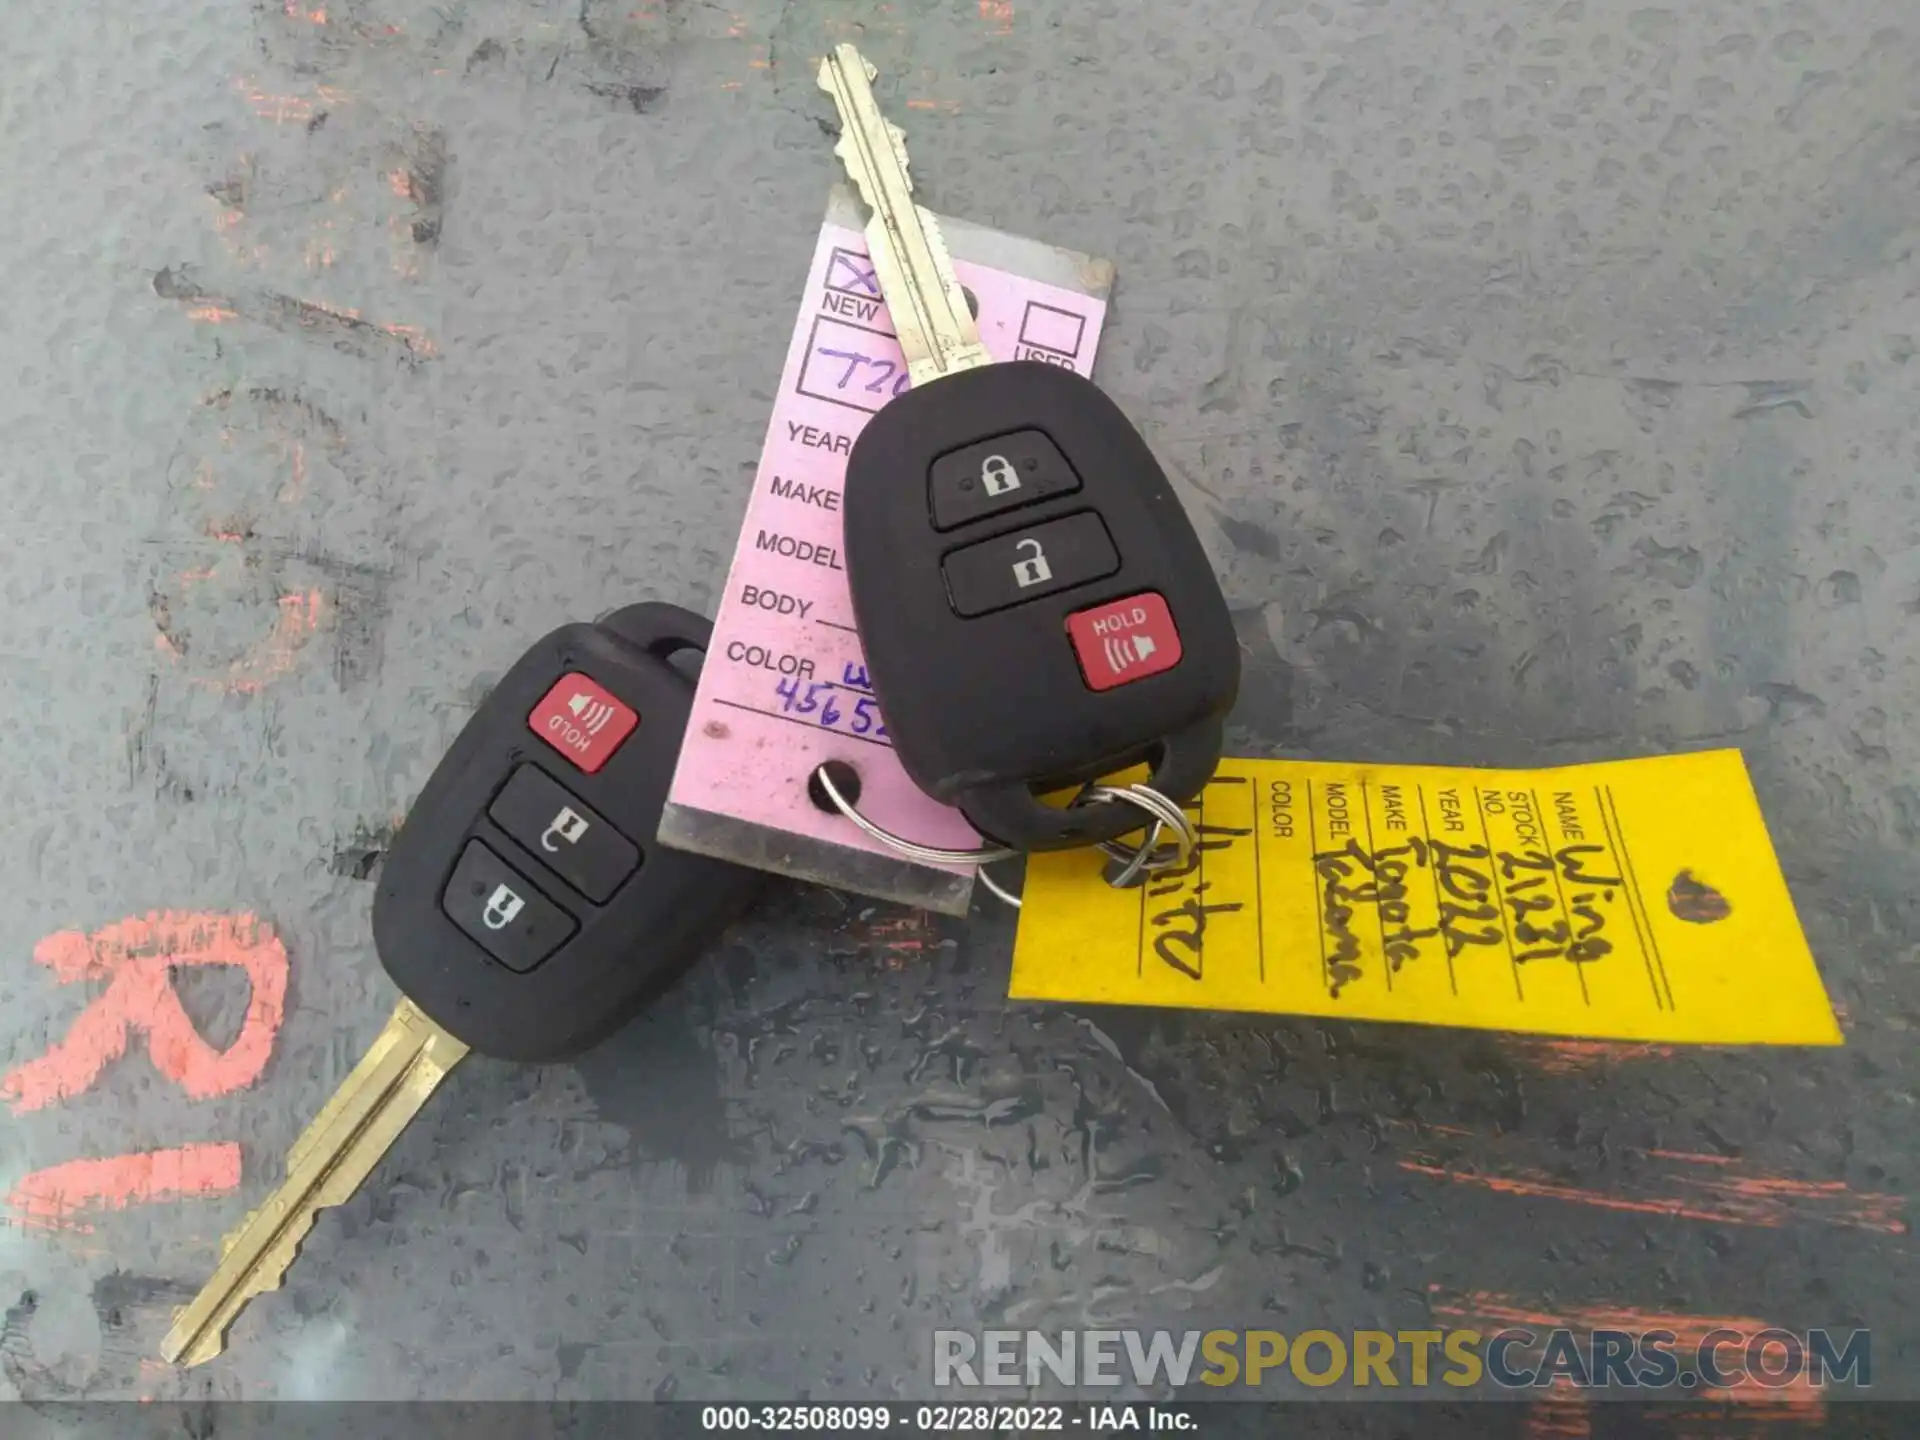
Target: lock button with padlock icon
(1024, 565)
(502, 906)
(991, 476)
(996, 475)
(510, 917)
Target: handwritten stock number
(832, 706)
(890, 371)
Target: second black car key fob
(524, 912)
(525, 905)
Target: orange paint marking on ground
(1572, 1057)
(1428, 1127)
(1762, 1200)
(1691, 1157)
(1493, 1310)
(902, 940)
(281, 109)
(134, 956)
(153, 1378)
(213, 314)
(1538, 1186)
(406, 255)
(1561, 1415)
(997, 15)
(296, 486)
(55, 1198)
(287, 109)
(299, 616)
(414, 338)
(1490, 1310)
(1860, 1210)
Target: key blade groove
(405, 1022)
(329, 1162)
(937, 333)
(959, 351)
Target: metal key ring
(1137, 859)
(931, 854)
(1142, 858)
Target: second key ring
(1145, 858)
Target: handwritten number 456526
(821, 701)
(888, 369)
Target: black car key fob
(525, 906)
(1034, 605)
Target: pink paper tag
(784, 686)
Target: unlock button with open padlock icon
(1034, 569)
(1036, 561)
(564, 834)
(565, 826)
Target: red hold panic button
(1124, 640)
(582, 721)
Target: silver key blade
(910, 260)
(330, 1160)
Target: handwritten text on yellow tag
(1634, 900)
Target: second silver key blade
(330, 1160)
(936, 330)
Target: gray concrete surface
(1542, 376)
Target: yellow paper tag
(1633, 900)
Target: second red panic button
(1124, 640)
(583, 721)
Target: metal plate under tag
(784, 685)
